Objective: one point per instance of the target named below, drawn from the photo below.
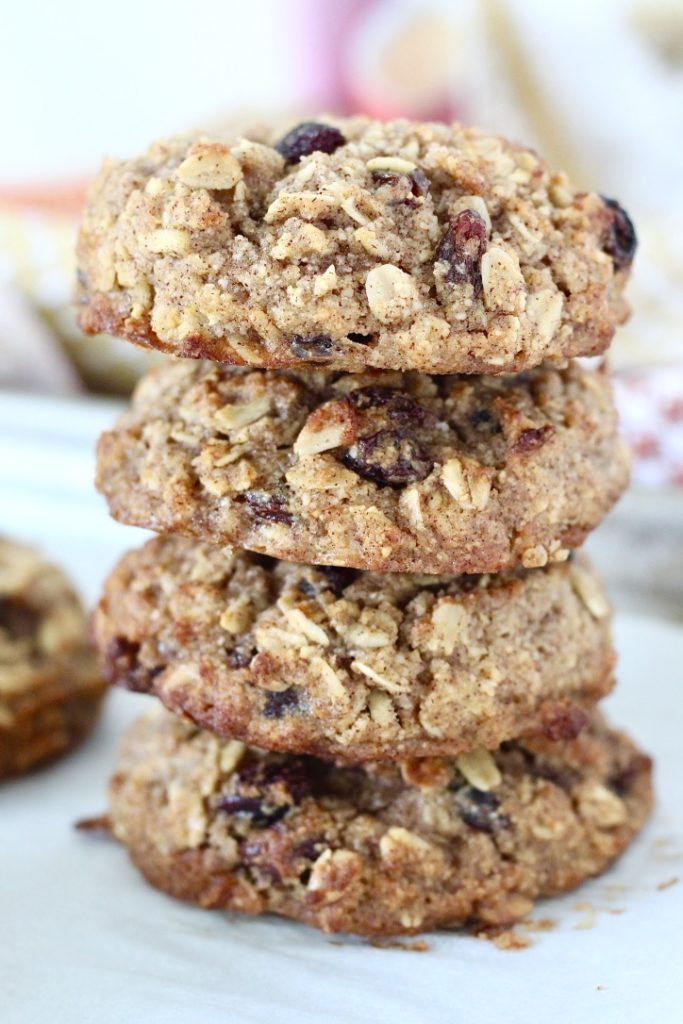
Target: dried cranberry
(620, 241)
(480, 810)
(262, 813)
(268, 507)
(462, 248)
(312, 346)
(309, 137)
(279, 703)
(337, 578)
(398, 404)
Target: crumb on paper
(668, 883)
(101, 823)
(666, 850)
(541, 924)
(504, 938)
(587, 920)
(417, 946)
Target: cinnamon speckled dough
(380, 471)
(381, 849)
(355, 666)
(50, 690)
(391, 245)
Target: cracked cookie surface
(360, 244)
(355, 666)
(380, 849)
(50, 690)
(380, 471)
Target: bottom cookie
(379, 849)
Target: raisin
(262, 813)
(418, 183)
(532, 438)
(122, 667)
(386, 177)
(480, 810)
(337, 578)
(620, 241)
(563, 778)
(18, 618)
(309, 849)
(309, 137)
(306, 587)
(623, 781)
(462, 248)
(312, 346)
(360, 339)
(279, 703)
(564, 722)
(388, 458)
(268, 507)
(238, 658)
(397, 404)
(296, 774)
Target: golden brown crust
(376, 850)
(379, 471)
(404, 246)
(50, 690)
(355, 666)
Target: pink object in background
(378, 58)
(651, 410)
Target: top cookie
(353, 244)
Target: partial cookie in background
(351, 665)
(50, 690)
(380, 471)
(353, 244)
(381, 849)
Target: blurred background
(597, 88)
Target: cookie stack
(380, 658)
